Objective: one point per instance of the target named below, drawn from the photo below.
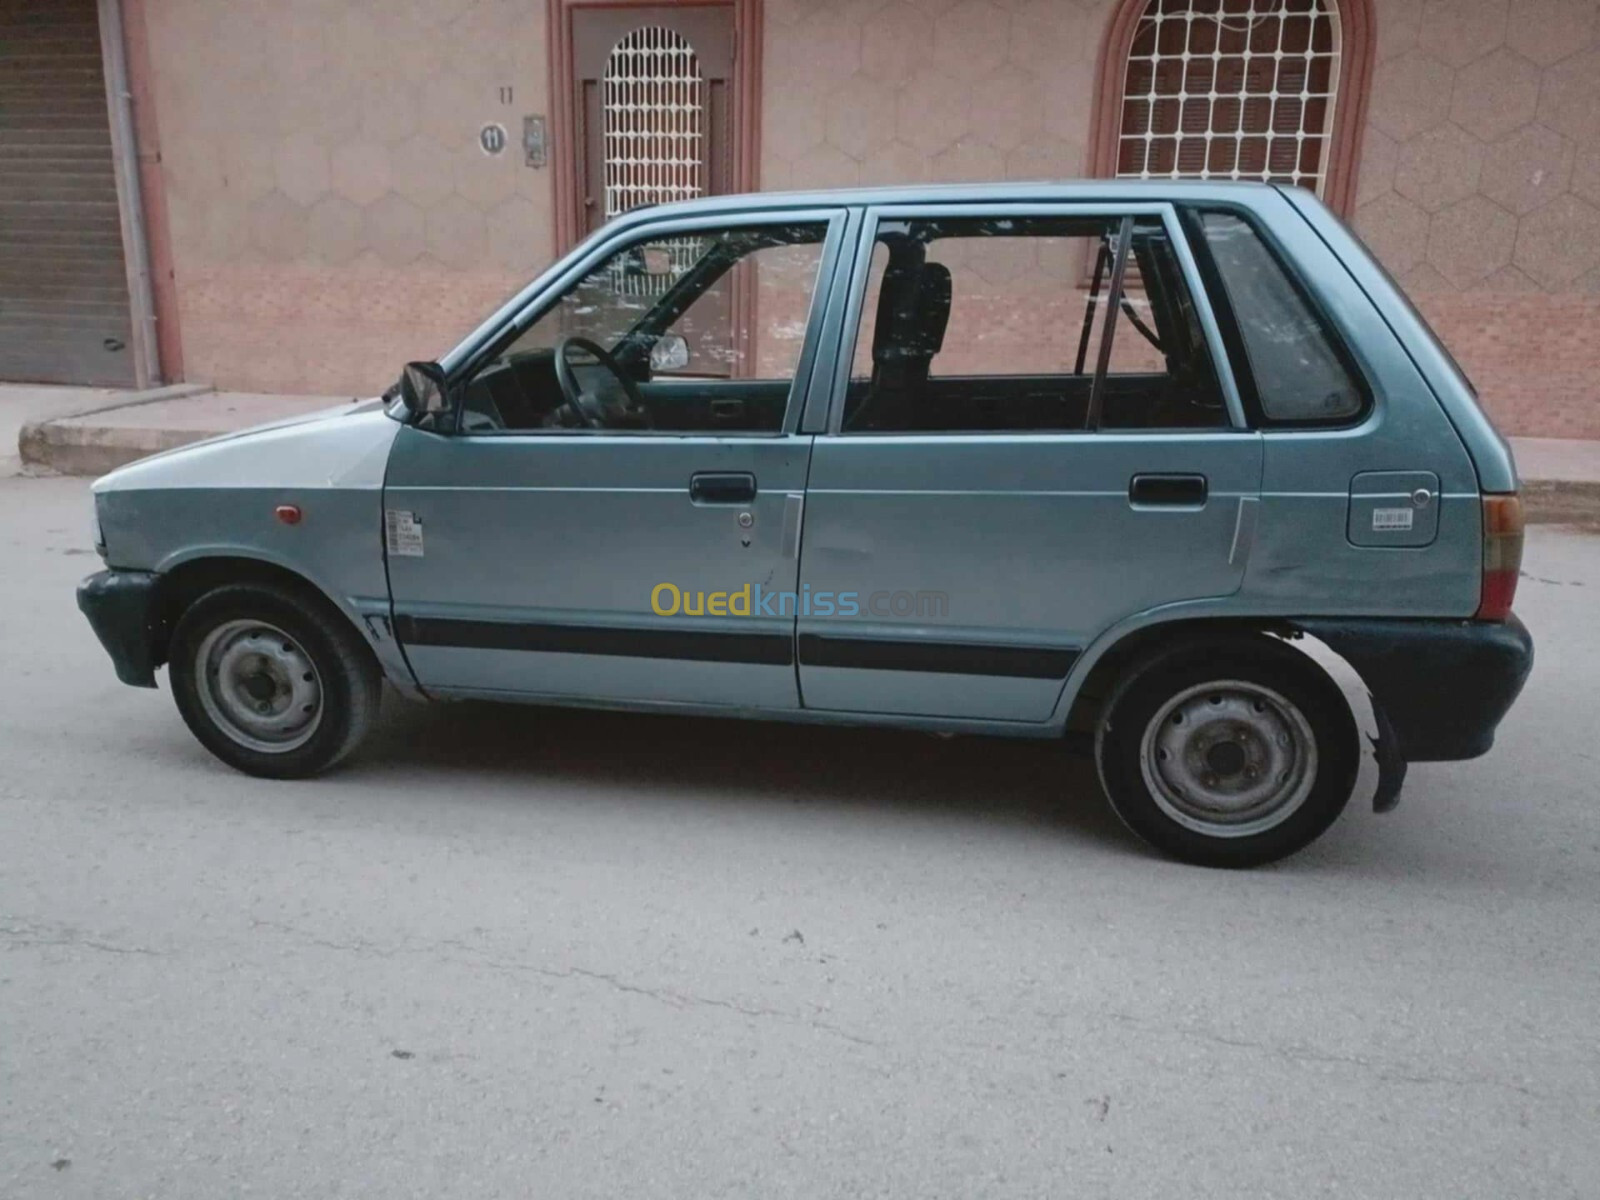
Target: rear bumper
(1442, 685)
(124, 610)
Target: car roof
(1009, 191)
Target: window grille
(654, 127)
(1231, 89)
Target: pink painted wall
(332, 214)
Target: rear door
(1035, 436)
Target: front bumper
(124, 609)
(1442, 685)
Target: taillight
(1502, 556)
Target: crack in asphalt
(1389, 1073)
(469, 957)
(462, 954)
(28, 936)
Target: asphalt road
(515, 952)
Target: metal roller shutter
(64, 314)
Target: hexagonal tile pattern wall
(1471, 240)
(1560, 243)
(349, 150)
(1439, 167)
(1482, 149)
(1500, 94)
(901, 91)
(1528, 169)
(356, 146)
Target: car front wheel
(1228, 753)
(271, 682)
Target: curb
(67, 449)
(1562, 502)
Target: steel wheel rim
(258, 686)
(1229, 758)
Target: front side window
(699, 332)
(1298, 373)
(1028, 324)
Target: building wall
(1479, 189)
(332, 214)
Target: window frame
(1191, 217)
(843, 344)
(549, 291)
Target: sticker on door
(402, 533)
(1383, 519)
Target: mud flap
(1391, 765)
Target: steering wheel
(599, 411)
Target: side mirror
(423, 389)
(670, 353)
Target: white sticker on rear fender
(1383, 519)
(402, 533)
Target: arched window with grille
(654, 121)
(1269, 90)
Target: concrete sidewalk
(89, 431)
(85, 431)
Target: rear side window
(1300, 375)
(1034, 324)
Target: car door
(532, 554)
(1036, 437)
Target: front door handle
(722, 487)
(1167, 491)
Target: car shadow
(1041, 785)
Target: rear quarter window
(1300, 375)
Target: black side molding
(716, 645)
(124, 611)
(945, 658)
(695, 645)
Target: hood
(343, 446)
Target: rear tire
(1232, 752)
(272, 682)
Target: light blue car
(1155, 463)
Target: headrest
(913, 312)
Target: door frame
(747, 21)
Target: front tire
(273, 683)
(1232, 752)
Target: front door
(616, 510)
(1032, 444)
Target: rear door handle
(722, 487)
(1167, 491)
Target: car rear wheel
(1228, 753)
(272, 683)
